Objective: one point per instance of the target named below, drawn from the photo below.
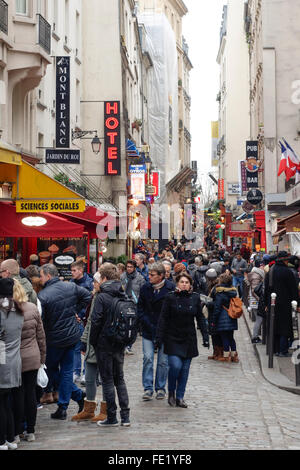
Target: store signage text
(65, 156)
(252, 149)
(112, 136)
(63, 102)
(50, 206)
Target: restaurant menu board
(63, 264)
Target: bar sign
(62, 102)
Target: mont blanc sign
(63, 102)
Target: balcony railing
(3, 16)
(44, 38)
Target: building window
(22, 7)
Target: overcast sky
(201, 28)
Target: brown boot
(102, 416)
(87, 413)
(55, 397)
(215, 353)
(225, 358)
(234, 357)
(47, 399)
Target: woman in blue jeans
(176, 331)
(221, 323)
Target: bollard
(296, 339)
(271, 330)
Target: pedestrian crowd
(83, 329)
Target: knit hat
(179, 267)
(217, 267)
(283, 256)
(211, 274)
(6, 287)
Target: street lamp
(96, 144)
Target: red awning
(90, 218)
(56, 227)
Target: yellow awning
(8, 155)
(34, 191)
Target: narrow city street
(231, 406)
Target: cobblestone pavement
(231, 406)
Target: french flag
(294, 160)
(285, 163)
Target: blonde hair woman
(33, 354)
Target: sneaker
(107, 424)
(39, 406)
(82, 380)
(148, 395)
(4, 447)
(11, 445)
(129, 351)
(30, 437)
(60, 413)
(256, 340)
(161, 394)
(76, 378)
(284, 355)
(125, 422)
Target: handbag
(42, 377)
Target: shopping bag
(42, 377)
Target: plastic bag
(42, 377)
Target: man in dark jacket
(282, 282)
(110, 355)
(150, 304)
(60, 303)
(81, 279)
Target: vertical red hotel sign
(112, 136)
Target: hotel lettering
(112, 135)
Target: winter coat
(100, 316)
(61, 301)
(27, 286)
(150, 306)
(87, 282)
(144, 272)
(200, 281)
(90, 354)
(221, 321)
(240, 267)
(176, 325)
(137, 282)
(33, 340)
(10, 356)
(285, 286)
(255, 278)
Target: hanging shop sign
(252, 149)
(63, 156)
(137, 169)
(234, 189)
(252, 166)
(112, 137)
(247, 207)
(62, 102)
(50, 205)
(243, 176)
(137, 181)
(254, 197)
(153, 188)
(221, 193)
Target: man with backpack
(113, 327)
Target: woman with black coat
(177, 332)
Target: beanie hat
(283, 256)
(6, 287)
(217, 267)
(211, 274)
(179, 267)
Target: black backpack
(122, 326)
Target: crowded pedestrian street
(231, 406)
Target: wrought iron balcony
(44, 34)
(3, 16)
